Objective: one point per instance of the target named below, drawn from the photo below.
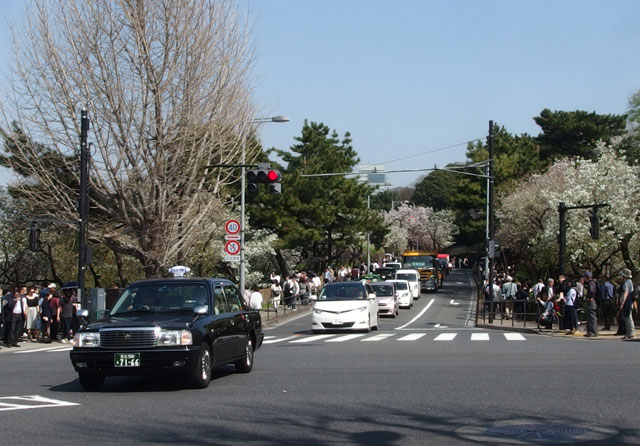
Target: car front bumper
(151, 360)
(343, 321)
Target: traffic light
(595, 224)
(34, 238)
(264, 174)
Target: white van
(413, 277)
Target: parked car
(386, 273)
(405, 297)
(182, 325)
(345, 306)
(413, 277)
(387, 298)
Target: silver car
(387, 298)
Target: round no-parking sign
(232, 247)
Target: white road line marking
(418, 316)
(453, 302)
(378, 337)
(13, 402)
(62, 349)
(273, 341)
(437, 325)
(445, 337)
(514, 337)
(46, 349)
(345, 338)
(412, 337)
(312, 338)
(269, 337)
(479, 336)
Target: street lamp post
(279, 118)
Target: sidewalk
(531, 327)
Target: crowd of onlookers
(37, 314)
(599, 301)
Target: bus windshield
(425, 261)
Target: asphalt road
(426, 377)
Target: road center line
(418, 316)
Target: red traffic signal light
(267, 176)
(273, 176)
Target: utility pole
(83, 207)
(490, 241)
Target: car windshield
(401, 285)
(342, 291)
(161, 297)
(383, 290)
(407, 276)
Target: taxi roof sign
(179, 270)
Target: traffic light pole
(562, 232)
(84, 203)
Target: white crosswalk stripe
(378, 337)
(514, 337)
(411, 337)
(445, 337)
(345, 338)
(479, 336)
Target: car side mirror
(84, 313)
(372, 296)
(201, 309)
(313, 297)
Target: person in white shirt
(255, 301)
(276, 293)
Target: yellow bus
(427, 265)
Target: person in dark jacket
(47, 314)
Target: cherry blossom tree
(426, 230)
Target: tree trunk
(282, 264)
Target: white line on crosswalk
(412, 337)
(273, 341)
(378, 337)
(445, 337)
(514, 337)
(345, 338)
(312, 338)
(269, 337)
(46, 349)
(479, 336)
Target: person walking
(18, 314)
(276, 294)
(591, 293)
(626, 301)
(33, 315)
(605, 303)
(255, 301)
(66, 312)
(47, 314)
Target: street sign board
(232, 247)
(232, 236)
(232, 227)
(229, 258)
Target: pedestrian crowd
(565, 300)
(38, 315)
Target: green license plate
(126, 359)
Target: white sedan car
(405, 297)
(345, 306)
(413, 277)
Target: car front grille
(123, 338)
(345, 325)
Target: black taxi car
(179, 324)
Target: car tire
(245, 364)
(377, 324)
(201, 374)
(91, 381)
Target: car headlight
(317, 311)
(361, 309)
(174, 337)
(86, 339)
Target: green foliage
(323, 217)
(575, 134)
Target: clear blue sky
(408, 76)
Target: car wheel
(377, 323)
(368, 326)
(245, 364)
(201, 374)
(91, 380)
